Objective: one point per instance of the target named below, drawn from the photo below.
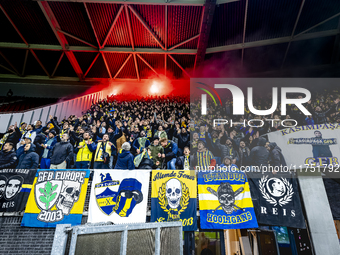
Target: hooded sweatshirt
(276, 157)
(8, 159)
(125, 160)
(29, 159)
(259, 155)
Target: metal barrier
(130, 239)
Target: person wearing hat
(22, 128)
(125, 158)
(157, 151)
(227, 163)
(48, 145)
(203, 158)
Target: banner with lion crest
(225, 200)
(276, 199)
(174, 197)
(119, 196)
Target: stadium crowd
(113, 134)
(240, 144)
(155, 133)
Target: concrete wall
(60, 110)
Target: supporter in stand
(123, 118)
(103, 148)
(62, 153)
(40, 139)
(47, 146)
(28, 133)
(203, 158)
(84, 149)
(227, 164)
(157, 151)
(244, 153)
(170, 151)
(320, 115)
(141, 142)
(125, 158)
(183, 162)
(29, 159)
(23, 142)
(183, 137)
(246, 143)
(276, 157)
(147, 161)
(12, 135)
(8, 157)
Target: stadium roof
(72, 40)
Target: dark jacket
(244, 154)
(13, 137)
(183, 139)
(62, 151)
(320, 117)
(227, 151)
(39, 139)
(276, 157)
(170, 151)
(125, 160)
(180, 161)
(20, 150)
(147, 163)
(8, 159)
(29, 159)
(259, 155)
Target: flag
(58, 197)
(225, 201)
(174, 197)
(119, 196)
(276, 199)
(15, 187)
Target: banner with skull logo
(276, 199)
(58, 197)
(119, 196)
(225, 200)
(174, 197)
(15, 187)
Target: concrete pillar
(319, 216)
